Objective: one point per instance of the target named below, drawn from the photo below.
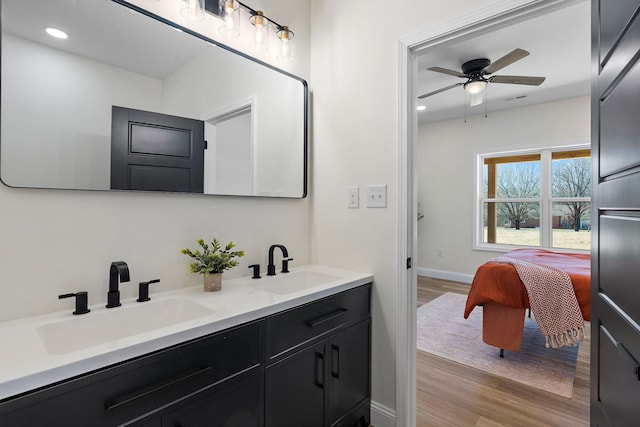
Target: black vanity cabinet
(319, 363)
(213, 381)
(307, 366)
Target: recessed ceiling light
(54, 32)
(422, 107)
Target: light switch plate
(353, 197)
(377, 196)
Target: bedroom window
(539, 198)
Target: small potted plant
(211, 261)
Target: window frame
(545, 200)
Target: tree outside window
(537, 199)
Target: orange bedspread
(500, 282)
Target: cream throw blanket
(553, 301)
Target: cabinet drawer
(126, 391)
(236, 403)
(297, 327)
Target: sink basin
(114, 324)
(286, 283)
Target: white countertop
(26, 364)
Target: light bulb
(284, 50)
(475, 86)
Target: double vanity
(287, 350)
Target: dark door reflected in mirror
(58, 97)
(156, 152)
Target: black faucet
(143, 290)
(118, 268)
(271, 268)
(256, 271)
(81, 301)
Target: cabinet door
(234, 403)
(294, 389)
(349, 370)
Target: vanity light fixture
(192, 9)
(421, 107)
(230, 13)
(286, 51)
(54, 32)
(261, 26)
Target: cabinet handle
(325, 318)
(319, 370)
(116, 402)
(623, 352)
(335, 361)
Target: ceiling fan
(477, 71)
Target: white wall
(58, 241)
(354, 61)
(446, 166)
(71, 130)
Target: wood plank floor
(450, 394)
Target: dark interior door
(152, 151)
(615, 294)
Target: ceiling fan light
(475, 86)
(475, 99)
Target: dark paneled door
(615, 295)
(152, 151)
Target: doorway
(230, 156)
(411, 48)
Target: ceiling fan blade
(439, 90)
(518, 80)
(508, 59)
(447, 71)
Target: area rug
(443, 331)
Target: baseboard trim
(445, 275)
(381, 416)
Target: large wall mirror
(129, 102)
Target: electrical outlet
(439, 253)
(353, 197)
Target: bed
(497, 287)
